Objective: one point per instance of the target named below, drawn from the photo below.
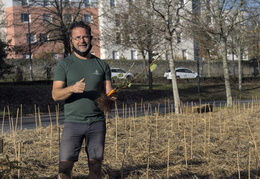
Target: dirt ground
(219, 144)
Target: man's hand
(79, 86)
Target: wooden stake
(21, 117)
(116, 135)
(238, 167)
(168, 156)
(35, 116)
(185, 149)
(249, 161)
(49, 111)
(3, 121)
(16, 120)
(148, 154)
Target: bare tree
(134, 27)
(168, 15)
(254, 35)
(218, 19)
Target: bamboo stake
(148, 154)
(57, 114)
(51, 134)
(156, 125)
(141, 105)
(238, 167)
(249, 161)
(205, 136)
(49, 112)
(123, 110)
(168, 156)
(185, 149)
(116, 109)
(116, 135)
(19, 158)
(9, 118)
(35, 116)
(165, 108)
(21, 117)
(14, 138)
(191, 137)
(3, 121)
(16, 120)
(135, 114)
(130, 135)
(220, 128)
(39, 117)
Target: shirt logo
(96, 73)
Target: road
(126, 111)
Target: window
(87, 18)
(118, 38)
(178, 34)
(25, 2)
(26, 56)
(125, 18)
(43, 37)
(25, 17)
(67, 18)
(47, 18)
(46, 3)
(87, 3)
(66, 2)
(184, 54)
(31, 38)
(115, 55)
(90, 3)
(112, 3)
(117, 20)
(133, 55)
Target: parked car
(121, 74)
(181, 73)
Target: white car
(121, 74)
(181, 73)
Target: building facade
(34, 28)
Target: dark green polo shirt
(81, 107)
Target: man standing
(79, 79)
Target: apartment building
(116, 15)
(35, 28)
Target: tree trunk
(223, 46)
(239, 69)
(177, 102)
(150, 74)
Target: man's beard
(83, 54)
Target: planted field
(219, 144)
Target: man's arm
(108, 88)
(60, 92)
